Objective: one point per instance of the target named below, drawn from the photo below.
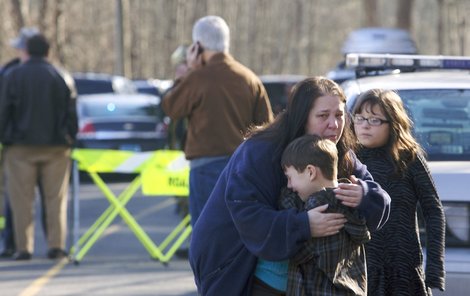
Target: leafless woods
(269, 36)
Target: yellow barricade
(167, 173)
(162, 172)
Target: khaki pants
(25, 165)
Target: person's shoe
(7, 253)
(21, 256)
(56, 253)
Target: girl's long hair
(291, 123)
(402, 146)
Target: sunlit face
(301, 183)
(326, 118)
(372, 136)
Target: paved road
(457, 272)
(116, 265)
(119, 265)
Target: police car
(372, 40)
(436, 92)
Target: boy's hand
(350, 194)
(324, 224)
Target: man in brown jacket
(221, 99)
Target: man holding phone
(221, 99)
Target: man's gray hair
(212, 33)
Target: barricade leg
(117, 207)
(183, 229)
(156, 252)
(75, 206)
(96, 230)
(124, 197)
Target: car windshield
(277, 93)
(113, 109)
(85, 86)
(441, 121)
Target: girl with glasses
(396, 161)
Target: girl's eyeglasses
(373, 121)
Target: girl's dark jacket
(394, 254)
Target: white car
(436, 92)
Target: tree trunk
(16, 14)
(404, 10)
(440, 26)
(41, 19)
(56, 12)
(370, 9)
(118, 39)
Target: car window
(86, 86)
(441, 121)
(278, 93)
(110, 109)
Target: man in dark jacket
(38, 125)
(9, 248)
(18, 43)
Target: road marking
(37, 285)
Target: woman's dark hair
(37, 46)
(401, 146)
(291, 123)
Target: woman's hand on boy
(324, 224)
(350, 194)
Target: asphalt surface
(116, 265)
(119, 265)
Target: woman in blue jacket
(241, 222)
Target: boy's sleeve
(356, 227)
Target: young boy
(333, 265)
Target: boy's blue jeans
(202, 179)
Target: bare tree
(462, 34)
(41, 16)
(404, 12)
(269, 36)
(370, 8)
(56, 10)
(440, 26)
(16, 14)
(118, 39)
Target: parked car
(436, 92)
(155, 87)
(121, 121)
(94, 83)
(278, 88)
(372, 40)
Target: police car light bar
(378, 62)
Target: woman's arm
(254, 180)
(253, 187)
(367, 196)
